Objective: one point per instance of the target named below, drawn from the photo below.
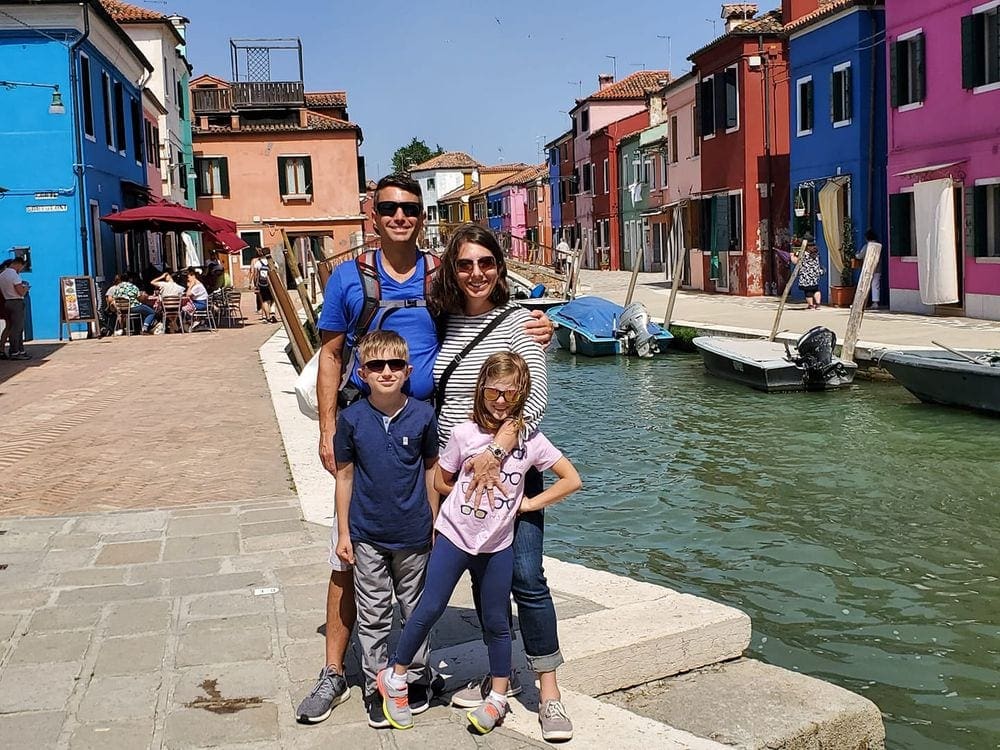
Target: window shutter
(282, 177)
(308, 170)
(808, 118)
(833, 97)
(732, 100)
(972, 30)
(979, 224)
(846, 102)
(899, 224)
(720, 102)
(894, 50)
(224, 177)
(920, 68)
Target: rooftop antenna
(614, 66)
(670, 61)
(712, 21)
(579, 85)
(641, 66)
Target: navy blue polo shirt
(389, 499)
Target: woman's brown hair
(446, 295)
(496, 366)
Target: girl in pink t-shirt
(477, 535)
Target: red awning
(167, 217)
(231, 242)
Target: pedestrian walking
(872, 245)
(810, 272)
(14, 289)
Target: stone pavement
(756, 314)
(139, 422)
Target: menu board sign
(78, 295)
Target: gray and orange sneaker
(395, 702)
(488, 716)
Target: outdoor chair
(127, 312)
(171, 307)
(234, 306)
(207, 316)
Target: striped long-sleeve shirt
(508, 336)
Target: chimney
(604, 80)
(303, 118)
(737, 14)
(793, 10)
(234, 121)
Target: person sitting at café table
(196, 292)
(130, 291)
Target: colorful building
(438, 176)
(944, 156)
(742, 105)
(838, 140)
(555, 149)
(271, 156)
(73, 145)
(538, 217)
(563, 161)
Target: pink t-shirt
(495, 531)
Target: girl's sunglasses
(377, 365)
(411, 209)
(486, 263)
(510, 395)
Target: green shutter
(894, 74)
(224, 176)
(900, 242)
(972, 34)
(979, 246)
(920, 72)
(282, 179)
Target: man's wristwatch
(498, 452)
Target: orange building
(271, 156)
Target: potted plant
(800, 205)
(843, 295)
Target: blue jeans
(200, 304)
(148, 315)
(535, 610)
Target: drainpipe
(770, 167)
(871, 128)
(78, 165)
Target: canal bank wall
(646, 666)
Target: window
(986, 220)
(88, 97)
(295, 176)
(154, 151)
(585, 121)
(430, 183)
(840, 95)
(673, 140)
(137, 123)
(706, 106)
(647, 172)
(211, 176)
(663, 169)
(180, 98)
(253, 240)
(730, 119)
(902, 227)
(588, 178)
(804, 105)
(695, 132)
(150, 143)
(119, 117)
(907, 75)
(607, 186)
(432, 213)
(477, 211)
(109, 118)
(981, 47)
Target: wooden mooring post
(784, 294)
(872, 259)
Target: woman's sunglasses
(465, 265)
(510, 395)
(411, 210)
(377, 365)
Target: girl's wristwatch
(498, 452)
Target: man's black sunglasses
(411, 209)
(378, 365)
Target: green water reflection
(858, 529)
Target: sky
(492, 79)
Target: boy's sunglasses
(486, 263)
(411, 210)
(510, 395)
(377, 365)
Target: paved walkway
(757, 313)
(139, 422)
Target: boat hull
(597, 341)
(762, 365)
(941, 378)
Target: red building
(743, 114)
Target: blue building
(63, 167)
(495, 207)
(554, 204)
(838, 132)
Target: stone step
(749, 704)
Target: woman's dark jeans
(535, 611)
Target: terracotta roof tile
(126, 12)
(828, 8)
(633, 86)
(314, 121)
(768, 24)
(326, 99)
(494, 168)
(447, 160)
(459, 192)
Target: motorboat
(529, 295)
(967, 379)
(597, 327)
(772, 366)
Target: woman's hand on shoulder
(539, 328)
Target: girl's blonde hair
(501, 365)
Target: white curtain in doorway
(191, 255)
(674, 260)
(937, 262)
(831, 208)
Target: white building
(438, 176)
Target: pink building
(944, 156)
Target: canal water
(859, 529)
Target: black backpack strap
(371, 288)
(443, 380)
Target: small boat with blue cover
(597, 327)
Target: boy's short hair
(388, 343)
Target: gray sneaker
(395, 703)
(555, 722)
(476, 691)
(488, 715)
(330, 691)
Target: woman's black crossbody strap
(443, 380)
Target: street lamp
(56, 106)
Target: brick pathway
(139, 422)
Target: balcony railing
(252, 95)
(211, 101)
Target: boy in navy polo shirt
(386, 449)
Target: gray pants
(15, 319)
(378, 573)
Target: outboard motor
(815, 354)
(634, 327)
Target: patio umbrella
(167, 217)
(231, 242)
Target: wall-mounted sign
(47, 209)
(45, 196)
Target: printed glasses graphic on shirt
(499, 500)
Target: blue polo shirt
(389, 500)
(343, 299)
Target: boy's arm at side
(444, 481)
(433, 498)
(342, 499)
(568, 483)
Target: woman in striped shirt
(470, 293)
